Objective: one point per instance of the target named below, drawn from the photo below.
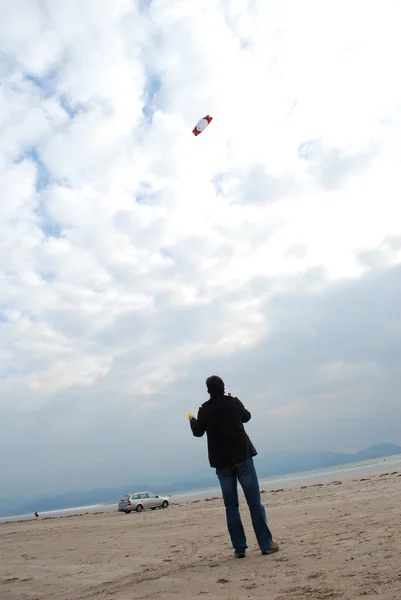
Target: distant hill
(275, 464)
(282, 463)
(378, 451)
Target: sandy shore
(338, 540)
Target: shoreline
(324, 474)
(285, 481)
(214, 494)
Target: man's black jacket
(222, 418)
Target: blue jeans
(245, 473)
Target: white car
(142, 501)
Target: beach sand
(338, 540)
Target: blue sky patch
(144, 4)
(146, 194)
(47, 276)
(49, 227)
(71, 108)
(47, 84)
(42, 173)
(217, 182)
(152, 87)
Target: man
(231, 453)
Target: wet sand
(337, 540)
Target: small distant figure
(36, 514)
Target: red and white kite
(201, 125)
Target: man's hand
(197, 424)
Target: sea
(387, 464)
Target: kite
(201, 125)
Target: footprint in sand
(281, 559)
(314, 576)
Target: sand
(338, 540)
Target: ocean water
(324, 475)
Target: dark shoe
(240, 553)
(272, 548)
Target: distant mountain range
(280, 463)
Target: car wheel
(139, 508)
(164, 504)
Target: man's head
(215, 385)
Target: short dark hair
(215, 385)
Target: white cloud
(134, 256)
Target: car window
(151, 495)
(135, 497)
(143, 495)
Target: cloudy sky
(137, 259)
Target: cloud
(136, 259)
(331, 167)
(254, 185)
(384, 256)
(297, 250)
